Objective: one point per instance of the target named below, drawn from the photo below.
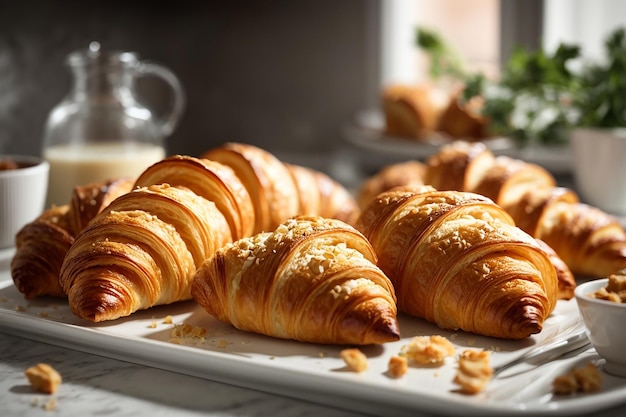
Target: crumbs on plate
(397, 366)
(185, 332)
(474, 371)
(428, 350)
(355, 359)
(584, 379)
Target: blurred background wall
(278, 73)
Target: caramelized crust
(312, 279)
(141, 251)
(457, 259)
(213, 181)
(42, 244)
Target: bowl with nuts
(602, 304)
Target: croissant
(320, 195)
(591, 242)
(278, 190)
(457, 260)
(141, 251)
(213, 181)
(312, 279)
(411, 111)
(398, 174)
(42, 244)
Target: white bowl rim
(37, 162)
(583, 290)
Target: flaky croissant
(312, 279)
(42, 244)
(141, 251)
(320, 195)
(278, 189)
(209, 179)
(457, 259)
(591, 242)
(395, 175)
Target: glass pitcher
(101, 130)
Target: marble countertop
(98, 386)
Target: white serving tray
(316, 372)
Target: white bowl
(604, 321)
(598, 167)
(22, 195)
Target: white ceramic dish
(605, 323)
(599, 169)
(365, 131)
(22, 195)
(316, 372)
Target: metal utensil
(577, 341)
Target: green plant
(538, 98)
(534, 99)
(444, 60)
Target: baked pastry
(399, 174)
(312, 279)
(462, 120)
(278, 190)
(411, 111)
(320, 195)
(140, 251)
(209, 179)
(457, 260)
(42, 244)
(591, 242)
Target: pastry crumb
(398, 366)
(428, 350)
(43, 378)
(474, 371)
(585, 379)
(168, 320)
(50, 405)
(20, 308)
(355, 359)
(185, 332)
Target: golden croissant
(279, 190)
(209, 179)
(42, 244)
(140, 251)
(457, 260)
(311, 279)
(591, 242)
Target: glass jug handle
(167, 123)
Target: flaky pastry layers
(312, 279)
(279, 190)
(42, 244)
(457, 259)
(209, 179)
(142, 250)
(590, 242)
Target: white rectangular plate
(316, 372)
